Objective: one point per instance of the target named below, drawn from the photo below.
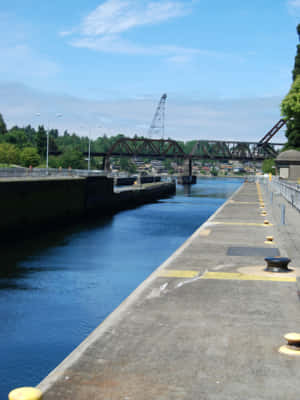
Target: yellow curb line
(172, 273)
(205, 232)
(244, 277)
(243, 202)
(241, 223)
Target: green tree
(3, 128)
(127, 165)
(18, 137)
(132, 169)
(296, 70)
(54, 162)
(268, 166)
(9, 154)
(290, 109)
(73, 159)
(290, 106)
(214, 171)
(124, 164)
(41, 141)
(30, 157)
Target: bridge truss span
(233, 150)
(142, 147)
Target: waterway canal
(56, 289)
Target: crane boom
(157, 126)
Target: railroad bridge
(202, 149)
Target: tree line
(290, 106)
(27, 146)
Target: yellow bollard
(25, 393)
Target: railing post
(282, 214)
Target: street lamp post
(89, 148)
(58, 115)
(89, 159)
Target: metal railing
(290, 191)
(44, 172)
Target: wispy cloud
(294, 3)
(103, 29)
(117, 16)
(294, 6)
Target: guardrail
(288, 190)
(44, 172)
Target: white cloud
(117, 16)
(102, 29)
(294, 3)
(185, 119)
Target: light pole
(58, 115)
(89, 147)
(89, 159)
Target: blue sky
(225, 65)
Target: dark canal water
(56, 289)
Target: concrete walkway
(206, 325)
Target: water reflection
(13, 255)
(187, 190)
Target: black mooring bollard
(277, 264)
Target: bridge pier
(187, 178)
(106, 164)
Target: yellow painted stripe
(244, 202)
(173, 273)
(205, 232)
(244, 277)
(240, 223)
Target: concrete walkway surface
(205, 325)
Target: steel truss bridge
(203, 149)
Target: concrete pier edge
(119, 312)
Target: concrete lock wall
(24, 204)
(132, 198)
(27, 205)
